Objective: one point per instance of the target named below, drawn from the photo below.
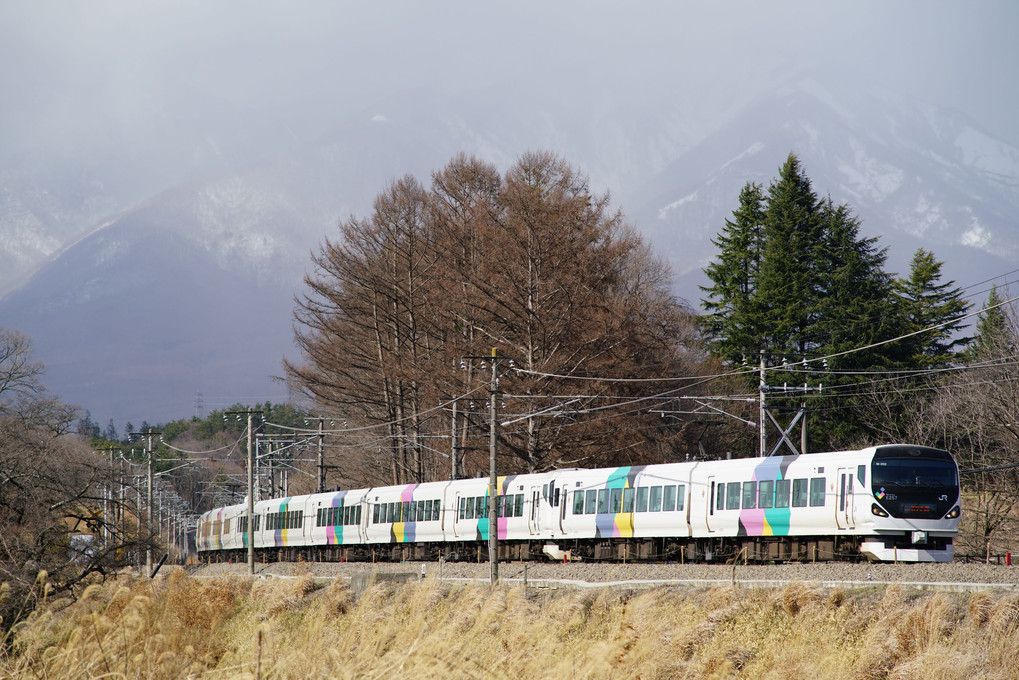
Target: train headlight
(953, 513)
(876, 509)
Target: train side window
(421, 511)
(749, 495)
(782, 493)
(817, 492)
(720, 496)
(861, 474)
(375, 513)
(628, 500)
(481, 507)
(615, 500)
(656, 499)
(669, 498)
(732, 490)
(799, 493)
(357, 515)
(578, 502)
(555, 501)
(592, 501)
(765, 494)
(680, 496)
(518, 505)
(642, 494)
(603, 501)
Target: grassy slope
(274, 628)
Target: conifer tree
(795, 279)
(993, 338)
(928, 303)
(788, 283)
(733, 322)
(856, 301)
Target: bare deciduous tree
(51, 487)
(532, 264)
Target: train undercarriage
(748, 550)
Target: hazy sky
(70, 68)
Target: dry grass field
(179, 626)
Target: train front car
(914, 512)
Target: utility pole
(251, 487)
(321, 456)
(764, 425)
(493, 479)
(783, 431)
(148, 498)
(454, 436)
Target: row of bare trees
(57, 508)
(531, 263)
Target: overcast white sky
(68, 67)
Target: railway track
(951, 576)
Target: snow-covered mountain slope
(916, 176)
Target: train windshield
(914, 472)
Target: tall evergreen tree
(855, 304)
(732, 322)
(993, 338)
(788, 285)
(928, 303)
(795, 278)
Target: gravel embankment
(952, 573)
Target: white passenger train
(887, 503)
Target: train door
(709, 506)
(362, 526)
(563, 495)
(456, 514)
(534, 516)
(551, 493)
(844, 502)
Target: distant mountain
(914, 175)
(191, 288)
